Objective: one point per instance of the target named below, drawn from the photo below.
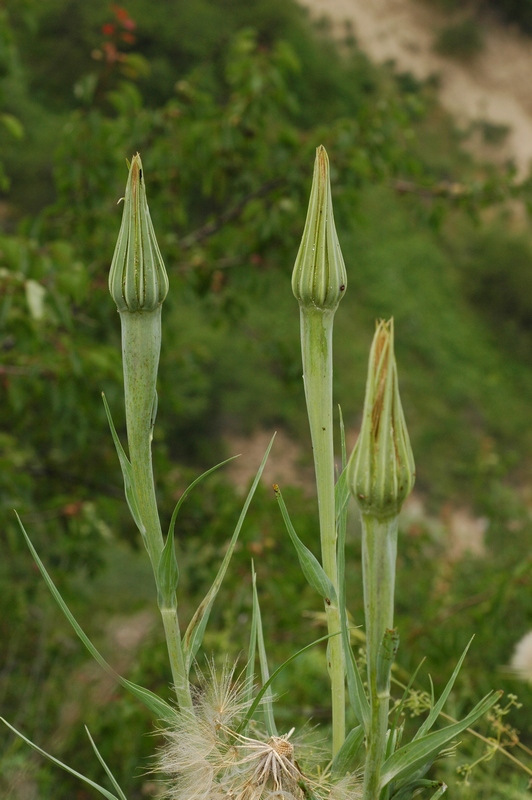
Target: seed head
(206, 758)
(319, 278)
(138, 279)
(381, 469)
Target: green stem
(379, 551)
(177, 661)
(141, 346)
(316, 346)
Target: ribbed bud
(319, 278)
(138, 279)
(381, 469)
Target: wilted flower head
(138, 279)
(206, 758)
(319, 277)
(381, 468)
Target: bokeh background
(425, 108)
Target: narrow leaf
(127, 472)
(385, 658)
(109, 774)
(167, 575)
(158, 706)
(342, 438)
(310, 566)
(407, 792)
(196, 629)
(420, 752)
(436, 708)
(260, 694)
(341, 490)
(263, 661)
(189, 489)
(250, 666)
(344, 758)
(405, 695)
(88, 781)
(167, 570)
(355, 687)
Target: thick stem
(141, 346)
(177, 662)
(379, 551)
(316, 346)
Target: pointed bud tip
(319, 278)
(381, 471)
(137, 280)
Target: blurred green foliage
(226, 101)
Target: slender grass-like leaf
(420, 752)
(400, 707)
(167, 569)
(275, 673)
(189, 489)
(355, 687)
(385, 659)
(156, 705)
(263, 661)
(167, 575)
(341, 493)
(310, 566)
(250, 666)
(344, 758)
(127, 472)
(392, 741)
(341, 490)
(196, 629)
(109, 774)
(407, 792)
(54, 760)
(437, 707)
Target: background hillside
(226, 102)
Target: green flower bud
(381, 469)
(319, 278)
(138, 279)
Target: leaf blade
(310, 566)
(263, 661)
(54, 760)
(108, 772)
(422, 751)
(127, 473)
(196, 628)
(158, 706)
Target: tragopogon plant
(221, 736)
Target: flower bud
(381, 469)
(138, 279)
(319, 278)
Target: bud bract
(138, 279)
(319, 278)
(381, 469)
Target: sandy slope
(496, 87)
